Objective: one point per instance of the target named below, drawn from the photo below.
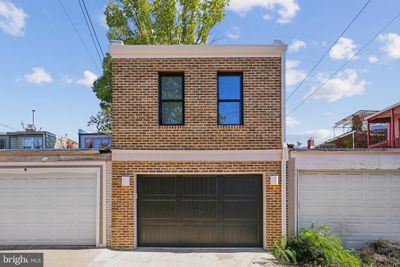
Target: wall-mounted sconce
(274, 180)
(126, 180)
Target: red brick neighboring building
(197, 139)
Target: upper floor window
(33, 142)
(230, 98)
(171, 98)
(96, 142)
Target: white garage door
(357, 206)
(48, 207)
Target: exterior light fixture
(126, 180)
(274, 180)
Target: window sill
(233, 126)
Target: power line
(77, 33)
(327, 51)
(347, 62)
(94, 31)
(90, 31)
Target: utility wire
(79, 35)
(90, 31)
(327, 51)
(91, 24)
(347, 62)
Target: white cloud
(286, 9)
(267, 17)
(296, 45)
(290, 121)
(319, 135)
(234, 33)
(12, 18)
(293, 76)
(345, 48)
(391, 45)
(373, 59)
(291, 64)
(38, 76)
(328, 113)
(345, 84)
(87, 79)
(103, 21)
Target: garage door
(358, 206)
(47, 207)
(200, 211)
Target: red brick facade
(136, 127)
(135, 104)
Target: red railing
(393, 143)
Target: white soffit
(196, 51)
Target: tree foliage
(154, 22)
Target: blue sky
(45, 67)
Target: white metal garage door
(48, 206)
(357, 206)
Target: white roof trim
(196, 51)
(382, 111)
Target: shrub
(381, 253)
(316, 246)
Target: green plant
(316, 246)
(282, 253)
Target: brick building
(198, 133)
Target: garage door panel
(240, 186)
(199, 209)
(395, 212)
(366, 209)
(395, 195)
(158, 209)
(158, 186)
(160, 234)
(241, 234)
(355, 196)
(241, 210)
(199, 234)
(48, 208)
(204, 209)
(199, 186)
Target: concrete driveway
(155, 257)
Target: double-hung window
(230, 98)
(171, 98)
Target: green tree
(153, 22)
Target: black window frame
(240, 101)
(160, 100)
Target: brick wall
(124, 211)
(135, 104)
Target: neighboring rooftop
(348, 120)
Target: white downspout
(285, 156)
(285, 153)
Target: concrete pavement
(154, 257)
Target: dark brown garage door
(200, 210)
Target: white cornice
(197, 155)
(196, 51)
